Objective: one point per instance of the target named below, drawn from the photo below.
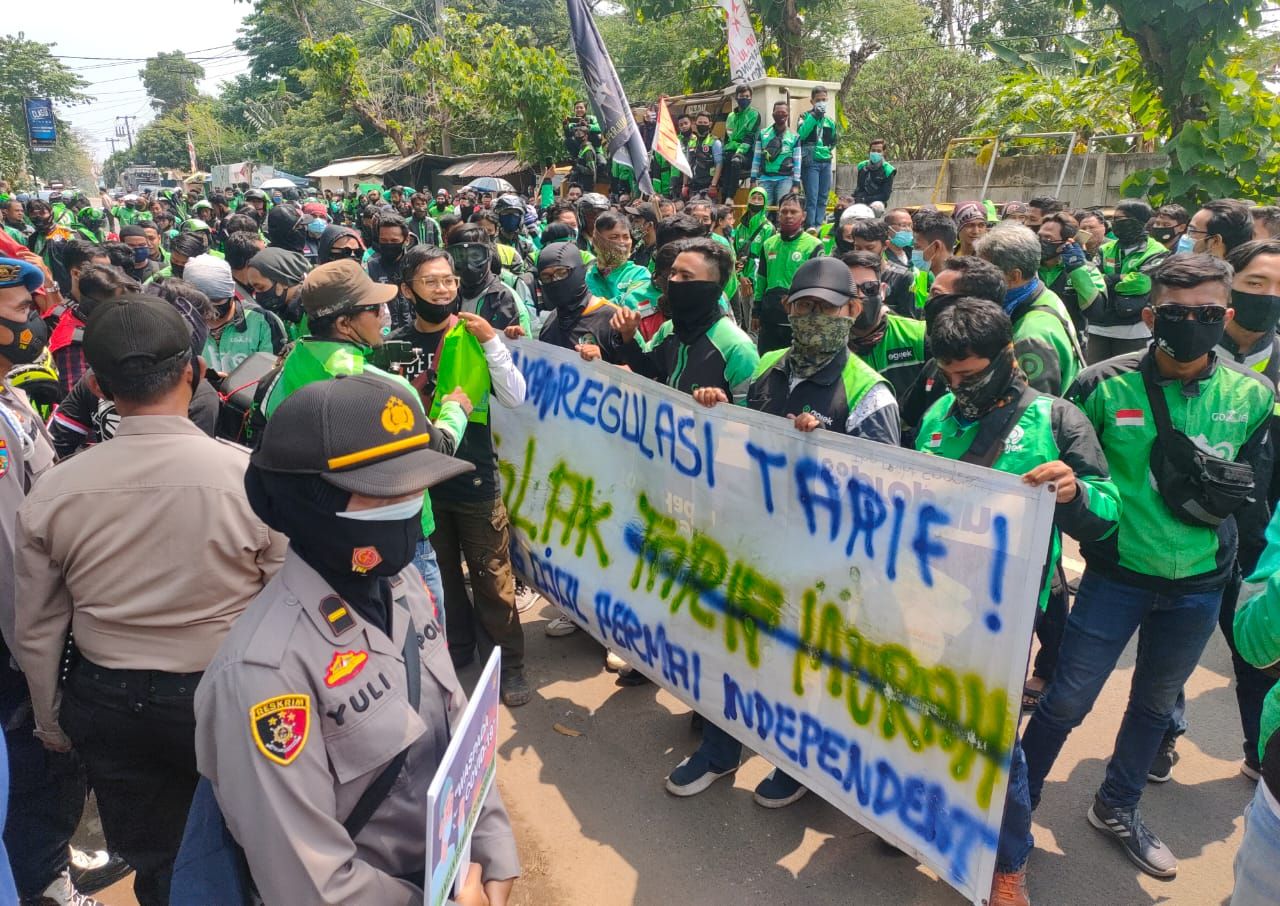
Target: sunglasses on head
(1205, 314)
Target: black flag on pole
(618, 127)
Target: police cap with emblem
(15, 272)
(362, 433)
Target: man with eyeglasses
(469, 518)
(815, 382)
(1162, 572)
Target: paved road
(596, 827)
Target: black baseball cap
(362, 433)
(825, 279)
(135, 335)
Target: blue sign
(42, 128)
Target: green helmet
(90, 217)
(194, 225)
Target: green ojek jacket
(780, 258)
(1050, 429)
(900, 354)
(818, 137)
(1257, 635)
(312, 360)
(740, 129)
(1226, 410)
(751, 232)
(1045, 343)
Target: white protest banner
(858, 614)
(745, 64)
(460, 785)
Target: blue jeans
(722, 750)
(46, 793)
(1257, 881)
(1172, 632)
(775, 188)
(430, 569)
(816, 177)
(1016, 841)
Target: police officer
(147, 547)
(341, 665)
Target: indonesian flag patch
(935, 440)
(1130, 418)
(280, 726)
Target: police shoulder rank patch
(336, 615)
(344, 666)
(280, 726)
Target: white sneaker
(613, 662)
(526, 598)
(63, 893)
(560, 626)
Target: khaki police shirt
(146, 547)
(298, 714)
(25, 452)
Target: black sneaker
(1140, 845)
(92, 870)
(1161, 770)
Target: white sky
(80, 29)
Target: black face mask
(390, 251)
(432, 312)
(1187, 340)
(1160, 234)
(704, 130)
(29, 339)
(41, 221)
(1128, 231)
(223, 309)
(872, 312)
(1048, 250)
(977, 395)
(695, 307)
(272, 300)
(569, 294)
(305, 508)
(936, 304)
(1255, 312)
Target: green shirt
(1225, 410)
(780, 258)
(1045, 343)
(312, 360)
(740, 128)
(628, 286)
(818, 137)
(1257, 628)
(1049, 429)
(245, 334)
(900, 354)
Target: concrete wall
(1091, 180)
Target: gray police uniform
(301, 709)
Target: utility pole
(126, 130)
(113, 143)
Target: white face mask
(392, 512)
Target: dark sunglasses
(1205, 314)
(869, 289)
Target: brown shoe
(1010, 889)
